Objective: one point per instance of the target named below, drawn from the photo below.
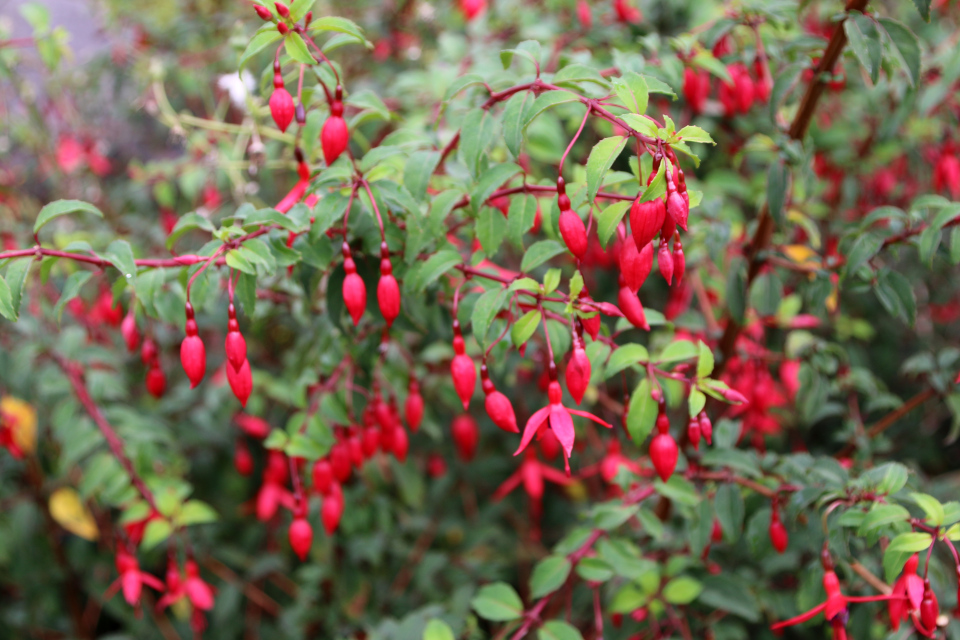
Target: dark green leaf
(62, 208)
(490, 227)
(538, 253)
(516, 114)
(609, 219)
(484, 311)
(778, 178)
(416, 174)
(602, 156)
(642, 413)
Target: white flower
(238, 86)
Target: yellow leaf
(68, 510)
(21, 418)
(801, 254)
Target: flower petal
(562, 425)
(530, 429)
(585, 414)
(803, 617)
(508, 485)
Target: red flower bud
(664, 454)
(550, 445)
(665, 260)
(332, 509)
(716, 535)
(413, 408)
(281, 108)
(706, 427)
(578, 373)
(252, 425)
(677, 209)
(301, 537)
(334, 135)
(472, 8)
(354, 291)
(462, 371)
(764, 83)
(626, 12)
(929, 608)
(156, 381)
(388, 293)
(574, 233)
(241, 381)
(263, 12)
(340, 461)
(466, 434)
(322, 476)
(679, 261)
(242, 460)
(268, 501)
(401, 443)
(282, 28)
(734, 396)
(148, 352)
(436, 466)
(696, 88)
(693, 432)
(128, 329)
(632, 309)
(282, 9)
(646, 220)
(193, 355)
(370, 441)
(584, 15)
(235, 346)
(500, 410)
(778, 533)
(278, 469)
(635, 265)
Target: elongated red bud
(734, 396)
(584, 15)
(388, 292)
(578, 373)
(301, 537)
(401, 443)
(283, 28)
(193, 355)
(632, 309)
(929, 608)
(646, 220)
(322, 476)
(263, 12)
(677, 209)
(340, 462)
(665, 261)
(693, 432)
(413, 408)
(252, 426)
(354, 290)
(332, 510)
(574, 233)
(242, 460)
(664, 454)
(466, 435)
(241, 381)
(268, 501)
(472, 8)
(716, 535)
(148, 352)
(778, 533)
(500, 410)
(629, 260)
(281, 107)
(128, 329)
(462, 370)
(696, 88)
(156, 381)
(764, 84)
(679, 261)
(282, 9)
(334, 136)
(235, 346)
(592, 324)
(706, 427)
(370, 441)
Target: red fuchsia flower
(281, 102)
(241, 381)
(413, 407)
(354, 290)
(252, 426)
(664, 452)
(128, 329)
(131, 579)
(835, 606)
(631, 307)
(532, 473)
(665, 260)
(462, 370)
(572, 229)
(388, 292)
(156, 381)
(946, 175)
(696, 88)
(498, 406)
(558, 419)
(472, 8)
(761, 394)
(235, 346)
(466, 435)
(190, 586)
(578, 371)
(301, 537)
(778, 533)
(611, 463)
(332, 509)
(908, 593)
(242, 458)
(193, 355)
(646, 220)
(584, 15)
(635, 265)
(626, 12)
(334, 136)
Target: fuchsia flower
(557, 418)
(532, 474)
(131, 579)
(908, 590)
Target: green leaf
(156, 532)
(477, 132)
(277, 440)
(626, 356)
(263, 38)
(690, 133)
(431, 270)
(641, 413)
(933, 510)
(520, 217)
(778, 177)
(490, 181)
(549, 575)
(682, 590)
(120, 255)
(523, 328)
(657, 187)
(632, 90)
(6, 301)
(71, 289)
(437, 629)
(865, 41)
(549, 100)
(460, 84)
(17, 272)
(696, 402)
(416, 174)
(516, 114)
(341, 25)
(297, 49)
(196, 512)
(529, 49)
(538, 253)
(910, 542)
(62, 208)
(905, 45)
(498, 602)
(678, 350)
(678, 489)
(594, 570)
(609, 515)
(551, 280)
(602, 156)
(559, 630)
(863, 249)
(881, 515)
(609, 219)
(728, 505)
(923, 7)
(484, 311)
(642, 124)
(706, 361)
(490, 229)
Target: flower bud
(574, 233)
(282, 9)
(242, 460)
(281, 107)
(128, 329)
(193, 355)
(301, 537)
(156, 381)
(263, 12)
(466, 434)
(472, 8)
(462, 371)
(778, 533)
(584, 15)
(235, 346)
(706, 427)
(665, 260)
(632, 309)
(332, 510)
(578, 372)
(388, 293)
(322, 476)
(401, 443)
(693, 432)
(646, 220)
(334, 135)
(696, 88)
(664, 454)
(413, 408)
(340, 462)
(679, 261)
(354, 290)
(241, 381)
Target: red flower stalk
(558, 419)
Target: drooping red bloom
(193, 356)
(778, 533)
(131, 579)
(128, 329)
(584, 15)
(908, 590)
(696, 88)
(156, 381)
(472, 8)
(466, 435)
(413, 407)
(235, 346)
(646, 220)
(635, 265)
(626, 12)
(632, 308)
(388, 292)
(498, 406)
(334, 136)
(301, 537)
(462, 370)
(574, 232)
(354, 290)
(332, 509)
(664, 452)
(190, 586)
(578, 371)
(558, 419)
(241, 381)
(665, 260)
(946, 175)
